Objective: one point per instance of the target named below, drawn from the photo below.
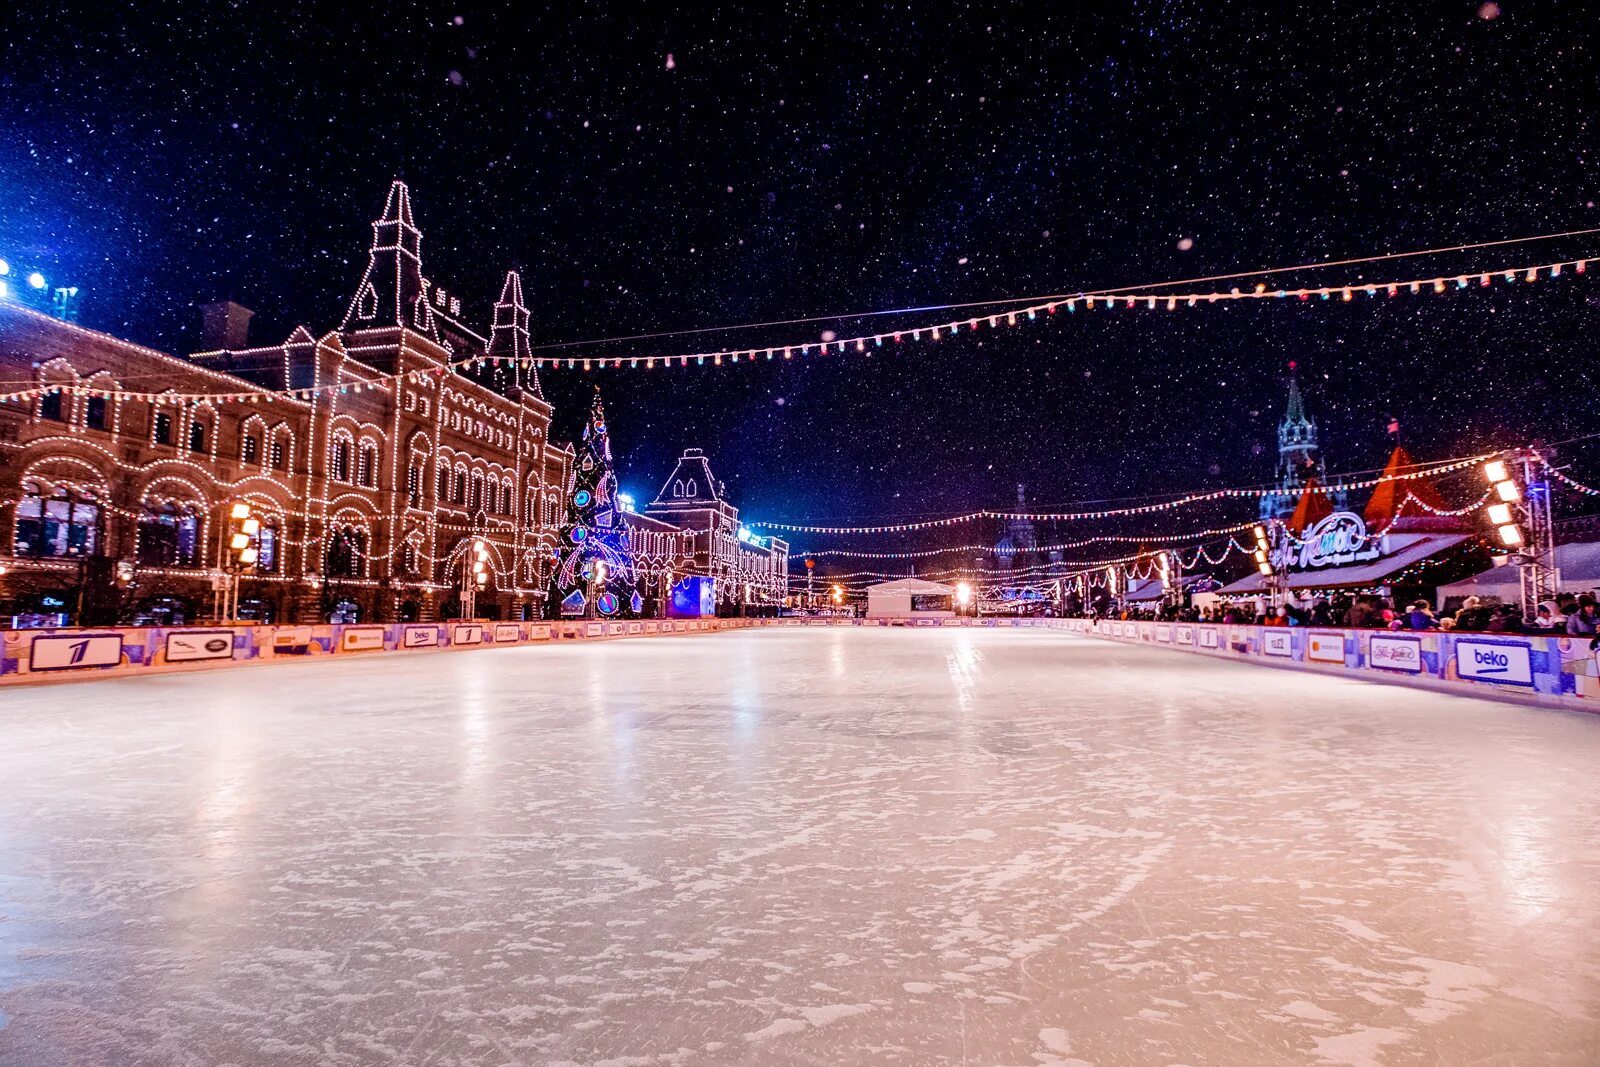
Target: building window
(197, 436)
(443, 493)
(367, 467)
(414, 484)
(461, 488)
(250, 448)
(339, 460)
(267, 549)
(280, 455)
(56, 525)
(410, 559)
(476, 501)
(94, 413)
(50, 406)
(169, 536)
(346, 553)
(163, 430)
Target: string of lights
(865, 343)
(1109, 513)
(1145, 564)
(1127, 539)
(1571, 482)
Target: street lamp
(243, 552)
(475, 576)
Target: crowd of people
(1567, 613)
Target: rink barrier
(1551, 670)
(52, 655)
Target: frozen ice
(794, 846)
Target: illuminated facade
(750, 572)
(371, 490)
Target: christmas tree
(594, 573)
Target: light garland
(1109, 513)
(1127, 539)
(1144, 563)
(1571, 482)
(862, 344)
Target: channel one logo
(1395, 654)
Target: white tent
(1579, 564)
(910, 598)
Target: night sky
(655, 170)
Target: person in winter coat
(1362, 614)
(1507, 619)
(1585, 622)
(1420, 617)
(1550, 617)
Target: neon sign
(1339, 539)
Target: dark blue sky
(802, 159)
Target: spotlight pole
(1541, 578)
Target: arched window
(339, 460)
(197, 435)
(169, 536)
(505, 498)
(677, 488)
(367, 466)
(443, 492)
(280, 452)
(161, 428)
(96, 413)
(414, 482)
(347, 552)
(476, 501)
(250, 447)
(461, 486)
(267, 548)
(58, 523)
(52, 406)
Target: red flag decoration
(1394, 426)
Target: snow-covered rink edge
(794, 846)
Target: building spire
(1297, 433)
(508, 336)
(392, 291)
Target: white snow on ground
(782, 847)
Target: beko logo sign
(1494, 661)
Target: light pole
(62, 298)
(474, 576)
(1535, 547)
(243, 551)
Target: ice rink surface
(794, 847)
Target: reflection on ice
(793, 847)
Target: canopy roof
(1579, 564)
(916, 586)
(1390, 492)
(1313, 507)
(1401, 551)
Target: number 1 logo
(79, 650)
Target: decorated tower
(1299, 459)
(594, 574)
